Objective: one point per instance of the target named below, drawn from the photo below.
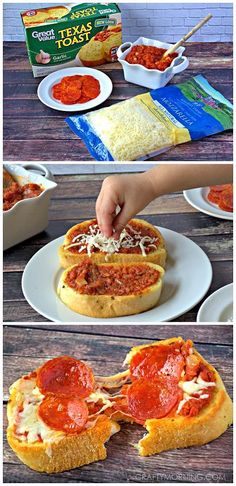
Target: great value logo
(44, 36)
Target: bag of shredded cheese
(152, 123)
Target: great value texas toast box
(86, 34)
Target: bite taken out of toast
(175, 394)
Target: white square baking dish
(150, 78)
(29, 216)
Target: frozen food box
(86, 34)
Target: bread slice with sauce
(178, 431)
(108, 303)
(69, 256)
(57, 451)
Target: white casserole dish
(29, 216)
(150, 78)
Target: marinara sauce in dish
(15, 193)
(91, 279)
(150, 57)
(76, 89)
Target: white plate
(198, 199)
(45, 88)
(187, 279)
(218, 307)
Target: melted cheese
(95, 239)
(114, 381)
(28, 425)
(30, 422)
(195, 385)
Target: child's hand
(135, 191)
(129, 192)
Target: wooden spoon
(189, 34)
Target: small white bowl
(29, 216)
(150, 78)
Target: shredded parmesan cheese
(95, 239)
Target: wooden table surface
(25, 348)
(74, 201)
(32, 131)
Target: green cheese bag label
(65, 36)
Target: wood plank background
(74, 201)
(32, 131)
(103, 347)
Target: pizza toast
(139, 241)
(111, 289)
(176, 395)
(53, 426)
(61, 415)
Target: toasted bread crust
(179, 431)
(105, 306)
(68, 258)
(69, 452)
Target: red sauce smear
(76, 89)
(150, 57)
(135, 226)
(222, 195)
(15, 193)
(89, 278)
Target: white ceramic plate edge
(212, 211)
(210, 298)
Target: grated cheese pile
(129, 130)
(95, 239)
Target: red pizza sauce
(15, 193)
(144, 231)
(91, 279)
(150, 57)
(76, 89)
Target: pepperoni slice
(152, 398)
(83, 99)
(63, 413)
(226, 201)
(65, 376)
(91, 87)
(158, 360)
(213, 196)
(56, 91)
